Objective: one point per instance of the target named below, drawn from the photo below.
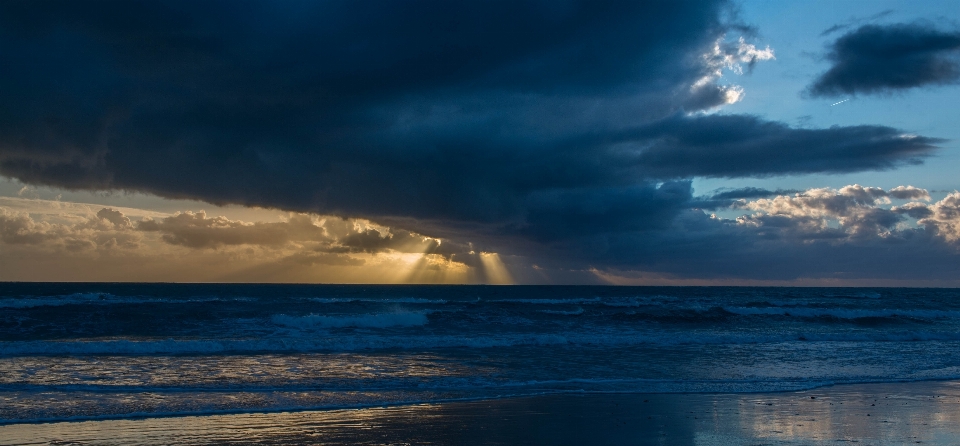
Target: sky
(701, 142)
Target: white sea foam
(378, 320)
(273, 344)
(637, 301)
(123, 405)
(576, 312)
(44, 301)
(615, 301)
(385, 300)
(65, 406)
(99, 299)
(842, 313)
(549, 301)
(355, 342)
(857, 295)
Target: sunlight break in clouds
(83, 244)
(496, 272)
(564, 135)
(732, 57)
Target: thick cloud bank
(844, 234)
(454, 111)
(563, 133)
(78, 242)
(820, 235)
(886, 58)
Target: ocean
(112, 351)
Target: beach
(864, 414)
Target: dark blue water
(77, 351)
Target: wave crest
(378, 320)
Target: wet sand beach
(867, 414)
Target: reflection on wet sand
(927, 413)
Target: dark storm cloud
(751, 192)
(886, 58)
(742, 146)
(737, 253)
(383, 108)
(842, 234)
(558, 214)
(854, 22)
(518, 125)
(731, 198)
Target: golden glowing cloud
(51, 240)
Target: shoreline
(442, 401)
(877, 413)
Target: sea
(91, 351)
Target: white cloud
(944, 217)
(855, 211)
(729, 56)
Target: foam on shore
(906, 413)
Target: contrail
(838, 103)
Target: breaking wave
(386, 300)
(381, 320)
(842, 313)
(354, 342)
